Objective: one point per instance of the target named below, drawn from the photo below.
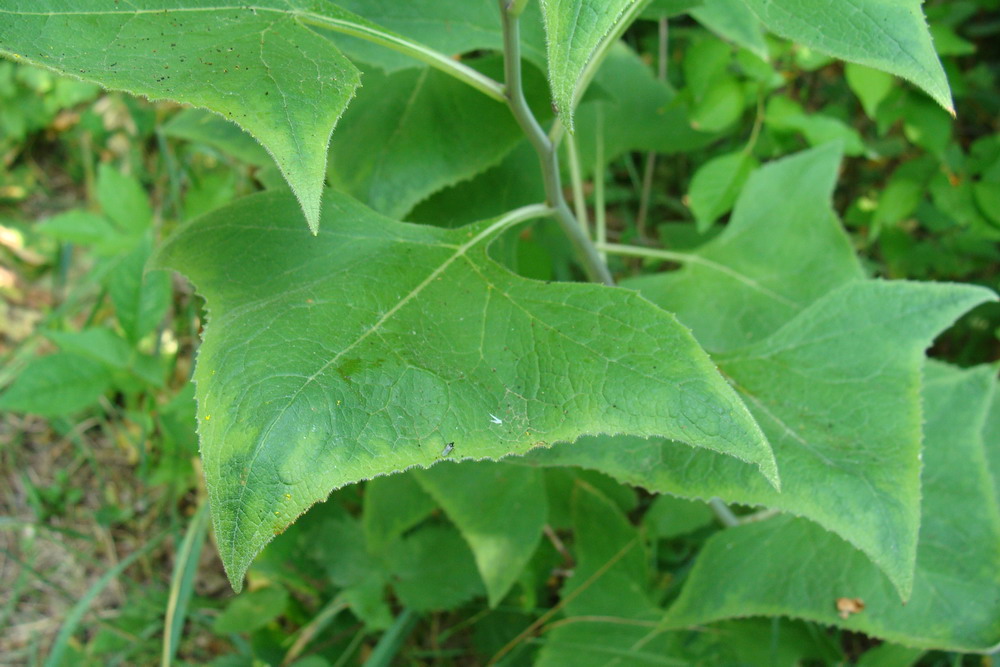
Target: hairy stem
(597, 270)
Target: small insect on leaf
(447, 449)
(848, 606)
(495, 419)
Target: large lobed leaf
(369, 349)
(890, 35)
(957, 582)
(832, 370)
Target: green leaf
(734, 22)
(836, 391)
(890, 35)
(957, 581)
(610, 581)
(141, 300)
(782, 249)
(580, 32)
(500, 510)
(84, 228)
(786, 115)
(123, 200)
(991, 440)
(412, 133)
(870, 85)
(365, 351)
(55, 385)
(433, 569)
(393, 504)
(202, 127)
(833, 377)
(669, 517)
(251, 611)
(96, 343)
(716, 184)
(266, 70)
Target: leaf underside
(369, 349)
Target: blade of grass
(76, 614)
(388, 646)
(315, 626)
(182, 582)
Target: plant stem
(576, 179)
(600, 202)
(650, 170)
(723, 513)
(597, 270)
(435, 59)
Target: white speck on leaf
(495, 419)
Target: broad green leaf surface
(453, 27)
(957, 582)
(579, 33)
(890, 35)
(57, 384)
(367, 350)
(829, 364)
(782, 249)
(500, 510)
(417, 131)
(836, 390)
(991, 441)
(257, 65)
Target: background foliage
(568, 555)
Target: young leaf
(890, 35)
(141, 299)
(365, 351)
(123, 200)
(716, 184)
(957, 581)
(258, 66)
(500, 510)
(579, 34)
(55, 385)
